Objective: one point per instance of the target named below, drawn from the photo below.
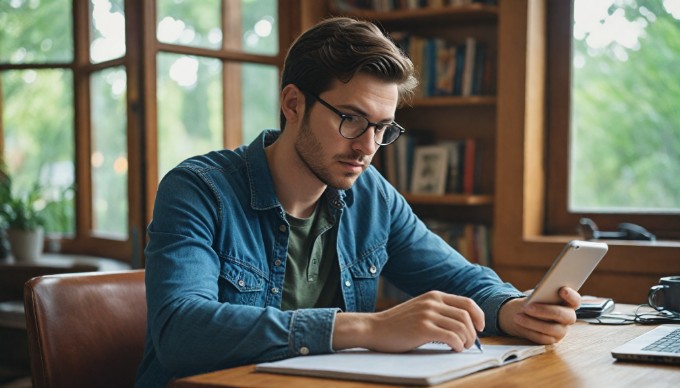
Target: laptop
(661, 345)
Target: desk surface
(582, 359)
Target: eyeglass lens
(352, 127)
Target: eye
(354, 121)
(381, 127)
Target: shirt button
(241, 283)
(277, 263)
(275, 290)
(373, 269)
(282, 228)
(347, 283)
(304, 350)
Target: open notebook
(430, 364)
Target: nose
(366, 142)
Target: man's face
(334, 160)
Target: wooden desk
(582, 359)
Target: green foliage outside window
(37, 104)
(625, 151)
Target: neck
(297, 188)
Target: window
(216, 87)
(614, 124)
(100, 98)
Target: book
(469, 66)
(446, 68)
(429, 364)
(454, 178)
(430, 164)
(469, 166)
(402, 148)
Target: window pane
(36, 31)
(625, 117)
(189, 108)
(252, 25)
(189, 23)
(108, 158)
(260, 27)
(260, 99)
(38, 129)
(107, 30)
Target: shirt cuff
(492, 307)
(311, 331)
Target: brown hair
(337, 49)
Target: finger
(539, 338)
(552, 313)
(452, 339)
(456, 322)
(570, 297)
(540, 331)
(439, 328)
(471, 316)
(474, 311)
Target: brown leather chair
(86, 330)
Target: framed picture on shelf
(429, 170)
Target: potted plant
(24, 222)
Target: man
(274, 250)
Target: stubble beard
(311, 152)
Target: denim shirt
(216, 261)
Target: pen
(478, 344)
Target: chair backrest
(86, 330)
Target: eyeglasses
(643, 314)
(353, 126)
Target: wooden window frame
(522, 248)
(231, 77)
(139, 62)
(84, 241)
(559, 218)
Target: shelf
(449, 199)
(469, 14)
(447, 101)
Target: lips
(353, 165)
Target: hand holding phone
(571, 269)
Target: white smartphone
(571, 269)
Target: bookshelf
(449, 199)
(446, 101)
(470, 12)
(444, 118)
(449, 117)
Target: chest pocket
(369, 266)
(365, 274)
(241, 284)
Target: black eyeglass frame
(653, 317)
(343, 117)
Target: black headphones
(626, 231)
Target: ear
(292, 104)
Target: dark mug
(666, 295)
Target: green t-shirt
(312, 273)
